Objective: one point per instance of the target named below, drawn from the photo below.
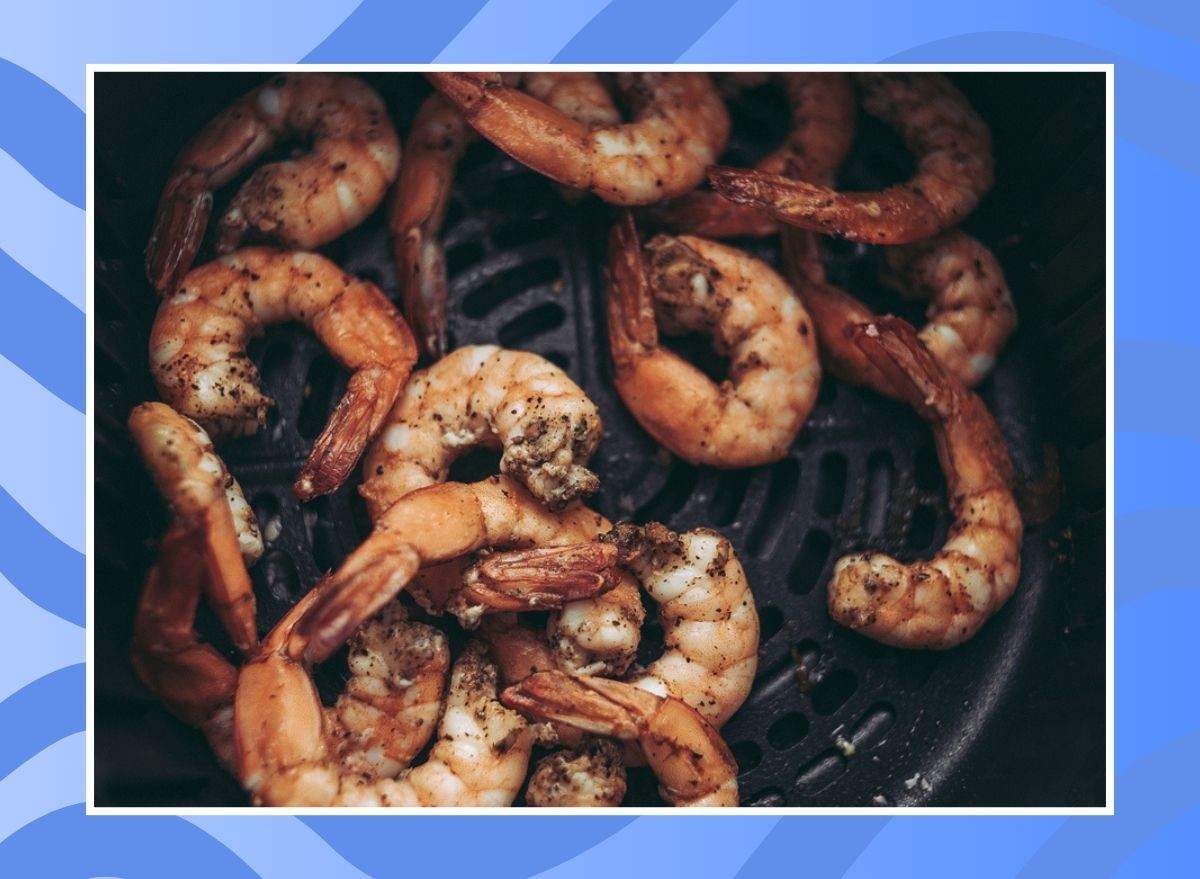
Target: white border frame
(1108, 809)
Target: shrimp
(294, 752)
(194, 681)
(679, 128)
(754, 318)
(198, 350)
(953, 148)
(304, 202)
(443, 522)
(198, 488)
(589, 775)
(971, 312)
(485, 395)
(943, 602)
(823, 121)
(693, 764)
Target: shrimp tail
(558, 697)
(229, 589)
(540, 578)
(179, 226)
(892, 346)
(424, 293)
(631, 324)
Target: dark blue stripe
(634, 31)
(39, 714)
(828, 846)
(380, 30)
(44, 131)
(44, 333)
(42, 568)
(67, 844)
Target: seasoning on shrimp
(303, 202)
(679, 128)
(953, 149)
(198, 350)
(753, 316)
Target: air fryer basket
(1014, 717)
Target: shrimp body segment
(754, 318)
(823, 112)
(485, 395)
(302, 202)
(942, 602)
(693, 764)
(953, 149)
(971, 312)
(199, 490)
(679, 128)
(199, 362)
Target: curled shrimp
(679, 128)
(198, 488)
(823, 114)
(691, 761)
(439, 137)
(441, 523)
(940, 603)
(198, 350)
(485, 395)
(295, 752)
(753, 316)
(954, 169)
(303, 202)
(971, 312)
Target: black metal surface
(834, 719)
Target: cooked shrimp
(199, 362)
(303, 202)
(485, 395)
(440, 523)
(942, 602)
(954, 169)
(197, 487)
(823, 121)
(971, 312)
(294, 752)
(693, 765)
(754, 318)
(439, 138)
(679, 128)
(589, 775)
(194, 681)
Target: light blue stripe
(46, 782)
(279, 847)
(41, 642)
(547, 26)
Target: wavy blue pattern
(56, 704)
(278, 847)
(67, 844)
(59, 369)
(1159, 855)
(628, 31)
(1138, 573)
(49, 150)
(1169, 464)
(46, 571)
(829, 845)
(556, 22)
(372, 33)
(50, 780)
(47, 642)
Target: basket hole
(524, 231)
(831, 484)
(674, 494)
(926, 470)
(463, 256)
(747, 754)
(810, 562)
(915, 670)
(788, 731)
(728, 497)
(879, 492)
(770, 621)
(533, 323)
(784, 478)
(833, 691)
(325, 547)
(279, 572)
(827, 393)
(501, 287)
(276, 366)
(560, 359)
(921, 528)
(318, 389)
(820, 772)
(770, 797)
(476, 464)
(873, 726)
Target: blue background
(43, 49)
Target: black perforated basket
(1014, 717)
